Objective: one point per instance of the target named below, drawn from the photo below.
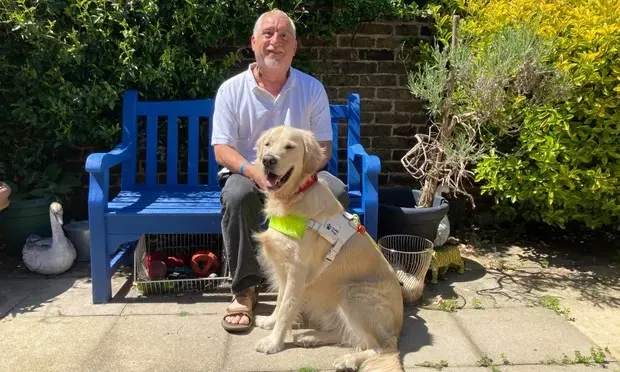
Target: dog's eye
(266, 144)
(289, 147)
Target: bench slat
(151, 150)
(173, 150)
(192, 152)
(165, 202)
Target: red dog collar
(306, 185)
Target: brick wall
(369, 62)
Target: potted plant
(470, 87)
(28, 212)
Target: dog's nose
(269, 160)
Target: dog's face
(287, 156)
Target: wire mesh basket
(163, 263)
(410, 256)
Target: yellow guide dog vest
(337, 230)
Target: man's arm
(321, 123)
(229, 157)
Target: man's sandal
(245, 305)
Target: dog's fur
(357, 300)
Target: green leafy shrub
(564, 162)
(65, 63)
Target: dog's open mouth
(275, 181)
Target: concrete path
(510, 318)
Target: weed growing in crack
(477, 304)
(436, 365)
(552, 303)
(447, 305)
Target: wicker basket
(180, 279)
(410, 256)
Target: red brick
(391, 142)
(407, 30)
(426, 31)
(376, 130)
(407, 130)
(383, 179)
(328, 67)
(392, 167)
(332, 93)
(341, 80)
(363, 92)
(376, 55)
(357, 41)
(358, 67)
(412, 106)
(403, 80)
(420, 119)
(383, 154)
(386, 67)
(312, 54)
(403, 179)
(376, 105)
(393, 93)
(339, 53)
(398, 154)
(389, 118)
(375, 28)
(378, 80)
(307, 42)
(367, 117)
(389, 42)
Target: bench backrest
(187, 129)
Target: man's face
(275, 45)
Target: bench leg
(100, 266)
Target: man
(269, 93)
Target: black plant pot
(398, 213)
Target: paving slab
(524, 335)
(432, 336)
(485, 289)
(182, 303)
(161, 343)
(61, 344)
(14, 291)
(65, 297)
(242, 355)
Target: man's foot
(239, 316)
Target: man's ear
(314, 153)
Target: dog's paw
(269, 345)
(265, 322)
(346, 363)
(306, 340)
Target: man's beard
(271, 62)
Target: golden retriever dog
(356, 300)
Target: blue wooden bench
(151, 207)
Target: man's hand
(255, 175)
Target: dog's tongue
(272, 179)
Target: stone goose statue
(50, 256)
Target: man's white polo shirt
(243, 110)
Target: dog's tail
(385, 361)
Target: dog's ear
(260, 144)
(314, 153)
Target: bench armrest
(368, 167)
(100, 162)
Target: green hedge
(563, 165)
(65, 63)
